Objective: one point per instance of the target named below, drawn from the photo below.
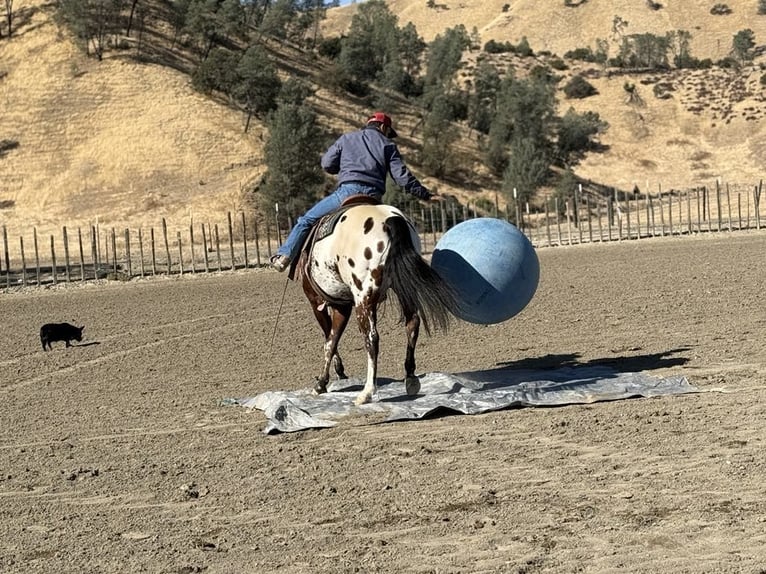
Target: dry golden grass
(92, 147)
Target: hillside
(87, 145)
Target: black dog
(59, 332)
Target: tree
(445, 53)
(277, 19)
(211, 22)
(257, 84)
(525, 115)
(742, 45)
(575, 135)
(92, 21)
(439, 134)
(372, 41)
(8, 18)
(527, 169)
(482, 101)
(218, 72)
(294, 176)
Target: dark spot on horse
(343, 217)
(357, 281)
(381, 246)
(337, 258)
(377, 275)
(367, 253)
(351, 262)
(368, 225)
(316, 263)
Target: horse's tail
(417, 286)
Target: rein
(279, 313)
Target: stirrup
(279, 262)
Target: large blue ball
(491, 266)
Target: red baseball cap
(384, 119)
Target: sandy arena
(116, 456)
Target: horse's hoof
(319, 388)
(361, 400)
(412, 385)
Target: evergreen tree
(372, 41)
(439, 134)
(217, 73)
(257, 83)
(292, 152)
(483, 99)
(277, 19)
(742, 45)
(445, 53)
(575, 135)
(527, 169)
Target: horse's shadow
(566, 370)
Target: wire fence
(245, 241)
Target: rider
(361, 159)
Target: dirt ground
(116, 456)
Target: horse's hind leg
(366, 315)
(412, 326)
(338, 322)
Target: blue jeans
(292, 245)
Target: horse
(372, 248)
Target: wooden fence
(241, 242)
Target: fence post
(128, 259)
(257, 242)
(37, 256)
(231, 239)
(180, 253)
(167, 245)
(191, 246)
(66, 254)
(94, 251)
(718, 202)
(268, 239)
(53, 262)
(728, 206)
(141, 250)
(7, 258)
(114, 251)
(217, 246)
(82, 254)
(154, 251)
(204, 246)
(244, 238)
(23, 262)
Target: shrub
(493, 47)
(579, 88)
(720, 10)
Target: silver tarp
(467, 393)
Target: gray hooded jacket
(367, 156)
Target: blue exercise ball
(491, 266)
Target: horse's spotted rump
(381, 246)
(367, 253)
(368, 225)
(357, 281)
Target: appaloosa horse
(355, 258)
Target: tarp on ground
(466, 393)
